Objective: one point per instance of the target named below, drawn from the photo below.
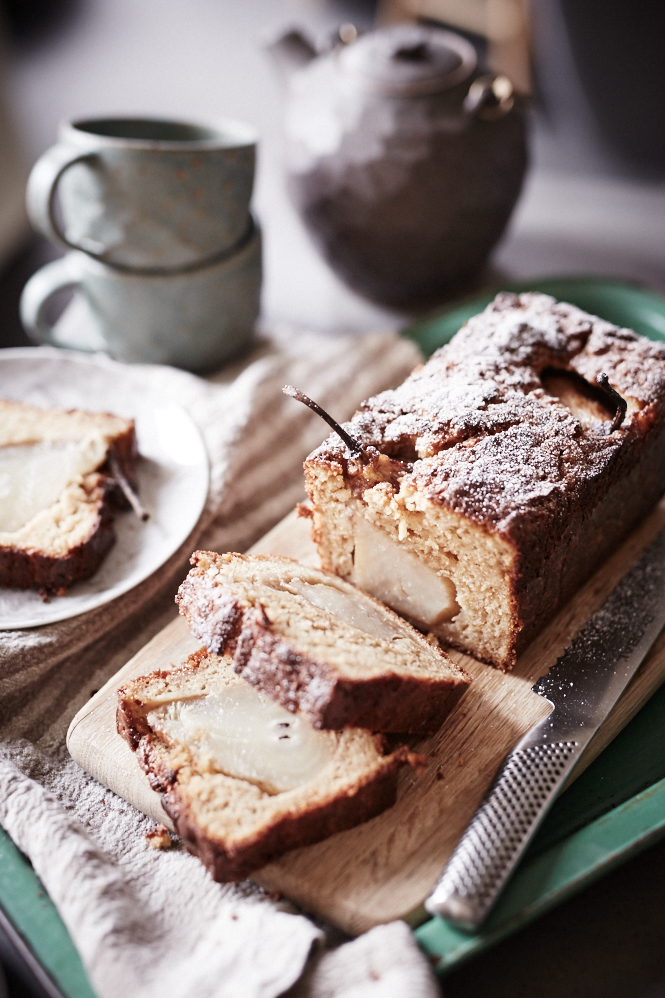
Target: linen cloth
(150, 923)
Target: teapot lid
(405, 60)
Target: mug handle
(56, 276)
(41, 193)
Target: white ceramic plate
(173, 475)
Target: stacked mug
(163, 245)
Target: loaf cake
(244, 780)
(317, 644)
(58, 492)
(497, 477)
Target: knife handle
(502, 828)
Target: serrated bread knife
(582, 687)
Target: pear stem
(621, 404)
(352, 444)
(129, 493)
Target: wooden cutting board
(384, 869)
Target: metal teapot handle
(490, 97)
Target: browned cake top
(496, 424)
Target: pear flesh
(34, 476)
(242, 733)
(396, 576)
(355, 612)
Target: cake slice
(317, 644)
(498, 476)
(59, 492)
(244, 780)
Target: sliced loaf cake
(317, 644)
(59, 491)
(488, 486)
(244, 780)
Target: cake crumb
(159, 838)
(417, 761)
(304, 511)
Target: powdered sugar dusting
(476, 430)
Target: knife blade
(582, 686)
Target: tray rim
(544, 881)
(622, 831)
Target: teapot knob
(347, 33)
(490, 97)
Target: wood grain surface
(385, 868)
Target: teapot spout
(290, 52)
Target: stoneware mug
(146, 194)
(195, 320)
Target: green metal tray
(615, 809)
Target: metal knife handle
(501, 829)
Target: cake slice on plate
(60, 476)
(317, 644)
(498, 476)
(243, 779)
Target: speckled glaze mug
(194, 319)
(144, 194)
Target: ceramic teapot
(404, 158)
